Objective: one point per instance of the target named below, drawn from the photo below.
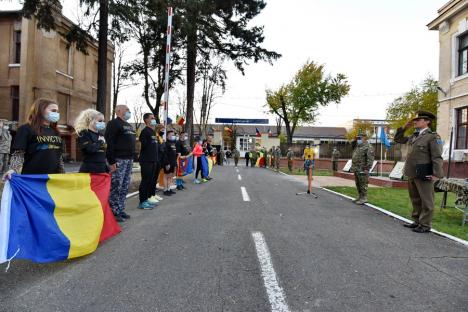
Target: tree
(121, 79)
(222, 26)
(360, 126)
(422, 97)
(212, 78)
(298, 101)
(279, 125)
(148, 25)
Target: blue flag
(383, 138)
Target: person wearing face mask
(423, 166)
(149, 163)
(38, 147)
(169, 162)
(197, 154)
(182, 153)
(89, 126)
(120, 139)
(362, 160)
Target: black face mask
(161, 133)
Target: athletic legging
(199, 167)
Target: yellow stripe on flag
(78, 211)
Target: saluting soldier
(363, 157)
(423, 167)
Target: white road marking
(237, 170)
(275, 293)
(245, 196)
(239, 177)
(132, 194)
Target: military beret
(424, 115)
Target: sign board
(347, 167)
(373, 166)
(241, 121)
(397, 171)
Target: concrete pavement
(196, 253)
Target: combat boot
(362, 200)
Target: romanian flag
(47, 218)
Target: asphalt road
(196, 252)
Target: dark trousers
(335, 165)
(236, 161)
(199, 167)
(148, 180)
(247, 161)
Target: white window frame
(462, 29)
(455, 129)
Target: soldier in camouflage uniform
(363, 157)
(277, 153)
(290, 156)
(5, 144)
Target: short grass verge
(446, 220)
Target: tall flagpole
(381, 151)
(167, 68)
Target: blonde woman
(88, 126)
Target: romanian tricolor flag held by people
(47, 218)
(185, 166)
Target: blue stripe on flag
(33, 228)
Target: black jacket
(120, 139)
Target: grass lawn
(321, 172)
(447, 220)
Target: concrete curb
(391, 214)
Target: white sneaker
(152, 200)
(157, 197)
(173, 187)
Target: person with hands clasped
(120, 139)
(423, 166)
(89, 126)
(362, 160)
(38, 147)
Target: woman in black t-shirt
(91, 142)
(38, 147)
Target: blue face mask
(359, 141)
(53, 117)
(153, 122)
(100, 125)
(127, 115)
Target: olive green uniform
(362, 160)
(423, 149)
(290, 156)
(335, 158)
(277, 155)
(236, 156)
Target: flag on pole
(383, 137)
(47, 218)
(180, 120)
(257, 132)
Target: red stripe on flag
(100, 184)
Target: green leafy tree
(298, 101)
(223, 27)
(421, 97)
(360, 126)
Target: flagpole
(167, 68)
(381, 152)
